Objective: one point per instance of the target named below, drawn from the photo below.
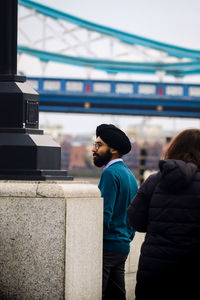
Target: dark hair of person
(185, 146)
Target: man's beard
(103, 159)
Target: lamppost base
(25, 153)
(35, 175)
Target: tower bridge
(117, 97)
(61, 38)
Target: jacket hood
(176, 174)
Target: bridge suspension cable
(90, 45)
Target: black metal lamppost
(142, 166)
(25, 153)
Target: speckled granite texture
(50, 241)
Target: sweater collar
(112, 162)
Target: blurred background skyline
(171, 22)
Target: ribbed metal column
(8, 37)
(142, 167)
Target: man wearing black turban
(118, 186)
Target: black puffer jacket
(167, 208)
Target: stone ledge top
(51, 189)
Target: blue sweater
(118, 186)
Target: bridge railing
(117, 88)
(117, 97)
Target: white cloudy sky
(170, 21)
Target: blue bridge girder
(128, 38)
(187, 60)
(180, 69)
(117, 97)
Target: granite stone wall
(50, 241)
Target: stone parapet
(50, 241)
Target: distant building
(132, 158)
(76, 153)
(77, 157)
(65, 154)
(145, 132)
(167, 143)
(154, 153)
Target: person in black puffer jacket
(167, 208)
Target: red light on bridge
(87, 88)
(160, 91)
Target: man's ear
(113, 151)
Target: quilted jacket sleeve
(138, 210)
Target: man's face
(101, 153)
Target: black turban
(114, 138)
